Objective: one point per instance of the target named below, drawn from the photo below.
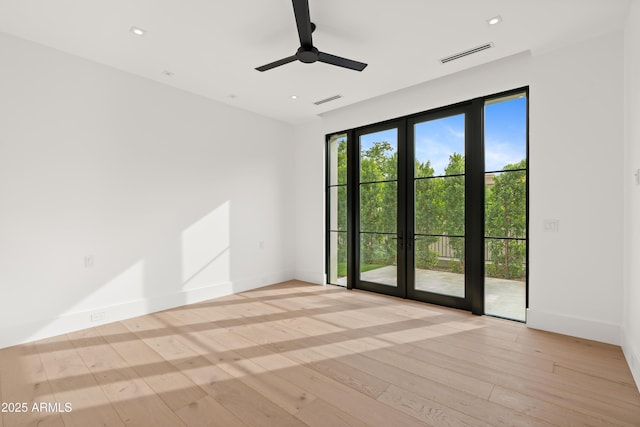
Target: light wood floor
(297, 354)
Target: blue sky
(390, 136)
(505, 128)
(436, 140)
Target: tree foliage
(453, 198)
(505, 217)
(439, 210)
(378, 203)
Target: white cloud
(498, 154)
(456, 133)
(437, 151)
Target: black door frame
(474, 202)
(400, 289)
(474, 210)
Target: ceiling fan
(307, 53)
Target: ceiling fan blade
(277, 63)
(341, 62)
(303, 21)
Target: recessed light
(294, 97)
(495, 20)
(168, 73)
(138, 31)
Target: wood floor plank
(247, 352)
(296, 354)
(546, 411)
(545, 386)
(459, 349)
(623, 391)
(72, 382)
(360, 406)
(171, 385)
(337, 394)
(1, 400)
(310, 327)
(376, 348)
(321, 414)
(354, 378)
(133, 399)
(208, 412)
(244, 402)
(428, 411)
(24, 381)
(446, 400)
(283, 393)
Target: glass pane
(439, 146)
(379, 156)
(505, 132)
(439, 205)
(505, 281)
(338, 258)
(379, 207)
(506, 204)
(439, 265)
(338, 206)
(378, 259)
(337, 159)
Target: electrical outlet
(552, 225)
(261, 244)
(98, 316)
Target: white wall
(309, 190)
(631, 325)
(576, 159)
(169, 193)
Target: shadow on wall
(116, 195)
(175, 268)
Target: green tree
(429, 211)
(378, 202)
(342, 206)
(506, 218)
(342, 161)
(453, 202)
(342, 190)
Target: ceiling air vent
(331, 98)
(466, 53)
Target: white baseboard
(45, 328)
(632, 354)
(578, 327)
(262, 280)
(311, 277)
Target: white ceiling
(213, 46)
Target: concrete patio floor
(504, 298)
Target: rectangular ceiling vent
(466, 53)
(331, 98)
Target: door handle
(400, 238)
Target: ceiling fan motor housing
(308, 55)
